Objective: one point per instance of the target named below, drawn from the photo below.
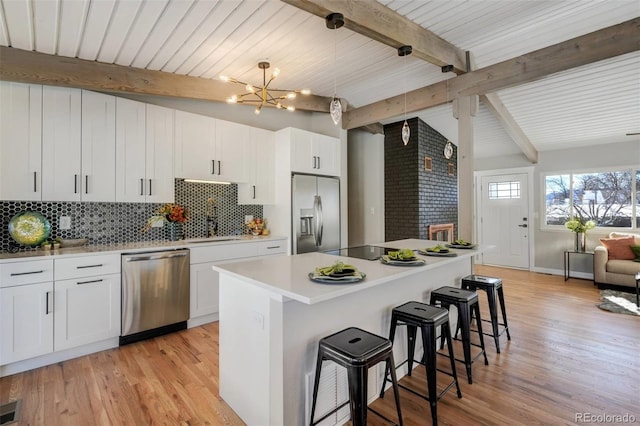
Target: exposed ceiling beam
(495, 105)
(596, 46)
(380, 23)
(39, 68)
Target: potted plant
(580, 227)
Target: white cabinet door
(260, 173)
(204, 287)
(314, 153)
(130, 150)
(159, 179)
(194, 146)
(26, 321)
(61, 143)
(231, 143)
(327, 152)
(302, 156)
(98, 147)
(87, 310)
(20, 141)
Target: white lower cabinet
(26, 321)
(204, 290)
(87, 310)
(205, 285)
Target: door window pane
(499, 190)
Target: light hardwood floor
(566, 357)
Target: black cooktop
(362, 252)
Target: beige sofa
(617, 272)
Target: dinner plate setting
(403, 257)
(338, 273)
(441, 253)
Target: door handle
(86, 184)
(75, 184)
(47, 304)
(219, 167)
(89, 282)
(35, 180)
(141, 186)
(150, 192)
(318, 162)
(524, 225)
(254, 192)
(320, 219)
(213, 167)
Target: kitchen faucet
(212, 217)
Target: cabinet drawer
(18, 273)
(87, 266)
(266, 248)
(223, 252)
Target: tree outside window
(604, 197)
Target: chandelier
(264, 95)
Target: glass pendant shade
(335, 110)
(406, 132)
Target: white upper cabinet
(159, 179)
(314, 153)
(259, 169)
(231, 140)
(131, 118)
(98, 147)
(210, 149)
(144, 152)
(20, 141)
(61, 143)
(194, 146)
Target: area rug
(618, 302)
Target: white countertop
(132, 247)
(288, 275)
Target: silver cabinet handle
(89, 266)
(314, 162)
(89, 282)
(35, 180)
(150, 191)
(219, 167)
(318, 162)
(272, 247)
(86, 184)
(141, 186)
(15, 274)
(254, 192)
(213, 167)
(75, 184)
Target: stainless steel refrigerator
(315, 213)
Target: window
(608, 198)
(501, 190)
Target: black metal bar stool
(465, 301)
(356, 350)
(493, 287)
(427, 317)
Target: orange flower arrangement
(174, 213)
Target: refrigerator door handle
(316, 218)
(320, 228)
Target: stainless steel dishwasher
(155, 294)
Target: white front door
(504, 221)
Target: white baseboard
(54, 357)
(206, 319)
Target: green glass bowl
(29, 228)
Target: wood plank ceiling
(593, 104)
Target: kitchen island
(272, 317)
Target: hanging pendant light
(335, 21)
(406, 131)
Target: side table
(567, 258)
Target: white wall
(366, 188)
(551, 244)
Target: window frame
(635, 206)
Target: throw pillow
(619, 248)
(636, 250)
